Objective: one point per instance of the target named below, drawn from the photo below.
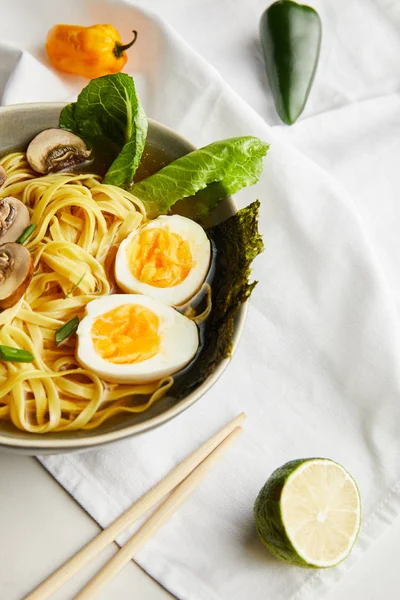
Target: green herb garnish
(11, 354)
(109, 108)
(66, 330)
(71, 291)
(213, 173)
(238, 242)
(28, 231)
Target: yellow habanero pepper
(87, 51)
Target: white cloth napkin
(317, 369)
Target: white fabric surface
(318, 367)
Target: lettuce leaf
(237, 242)
(109, 108)
(211, 173)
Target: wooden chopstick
(147, 501)
(157, 520)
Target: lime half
(309, 512)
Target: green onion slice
(67, 330)
(28, 231)
(71, 291)
(11, 354)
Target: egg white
(200, 249)
(179, 342)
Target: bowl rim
(38, 444)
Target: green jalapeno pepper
(291, 41)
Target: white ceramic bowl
(18, 125)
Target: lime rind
(268, 516)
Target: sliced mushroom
(14, 219)
(16, 271)
(56, 149)
(3, 175)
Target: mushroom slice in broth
(56, 149)
(16, 271)
(14, 219)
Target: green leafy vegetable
(28, 231)
(10, 354)
(68, 329)
(108, 107)
(213, 173)
(238, 242)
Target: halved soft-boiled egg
(130, 338)
(166, 259)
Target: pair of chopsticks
(181, 482)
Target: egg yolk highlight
(160, 258)
(126, 334)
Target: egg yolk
(126, 334)
(160, 258)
